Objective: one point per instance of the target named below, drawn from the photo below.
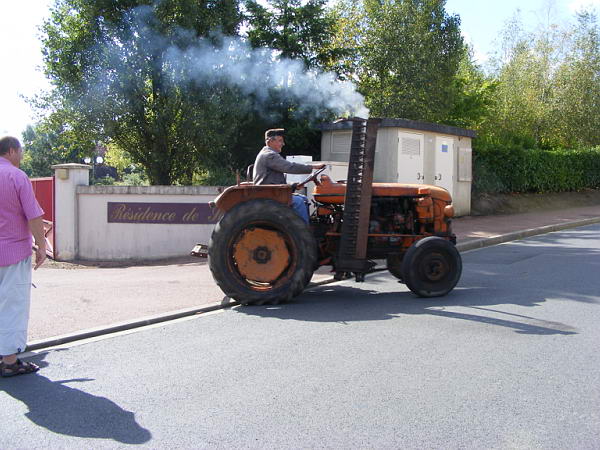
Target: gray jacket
(270, 166)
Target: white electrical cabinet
(413, 152)
(411, 161)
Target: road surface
(508, 360)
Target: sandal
(18, 368)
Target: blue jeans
(300, 205)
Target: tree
(349, 25)
(296, 30)
(475, 92)
(110, 62)
(53, 141)
(409, 57)
(299, 30)
(547, 86)
(524, 72)
(576, 105)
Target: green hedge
(503, 170)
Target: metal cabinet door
(444, 163)
(410, 157)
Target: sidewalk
(72, 302)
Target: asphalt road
(508, 360)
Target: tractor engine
(391, 215)
(399, 215)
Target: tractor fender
(243, 192)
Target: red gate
(44, 193)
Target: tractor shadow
(495, 280)
(559, 266)
(346, 304)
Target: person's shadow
(66, 410)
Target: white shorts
(15, 296)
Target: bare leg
(9, 359)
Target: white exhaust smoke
(260, 73)
(182, 58)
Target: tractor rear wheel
(431, 267)
(261, 252)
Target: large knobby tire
(431, 267)
(261, 252)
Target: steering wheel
(311, 177)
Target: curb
(227, 303)
(124, 326)
(516, 235)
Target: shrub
(134, 179)
(217, 177)
(503, 170)
(103, 181)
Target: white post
(66, 179)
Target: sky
(20, 49)
(482, 20)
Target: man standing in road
(20, 217)
(270, 166)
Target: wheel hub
(435, 267)
(261, 255)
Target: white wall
(100, 240)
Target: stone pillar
(66, 218)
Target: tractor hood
(330, 192)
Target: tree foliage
(409, 55)
(299, 30)
(548, 86)
(173, 84)
(53, 141)
(475, 91)
(576, 96)
(349, 23)
(109, 62)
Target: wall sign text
(171, 213)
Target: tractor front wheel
(431, 267)
(261, 251)
(394, 265)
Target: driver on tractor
(270, 167)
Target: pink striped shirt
(17, 206)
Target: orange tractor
(261, 251)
